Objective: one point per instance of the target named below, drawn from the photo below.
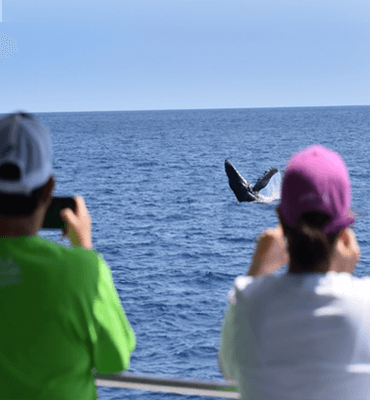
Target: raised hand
(270, 253)
(346, 252)
(78, 225)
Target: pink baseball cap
(317, 179)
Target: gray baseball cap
(24, 143)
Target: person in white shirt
(304, 334)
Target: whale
(242, 189)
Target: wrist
(84, 241)
(256, 269)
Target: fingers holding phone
(77, 224)
(270, 253)
(52, 218)
(346, 252)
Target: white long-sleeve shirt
(298, 337)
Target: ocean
(170, 227)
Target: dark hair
(15, 205)
(308, 247)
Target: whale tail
(265, 179)
(242, 189)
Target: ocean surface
(170, 227)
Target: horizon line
(184, 109)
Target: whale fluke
(242, 189)
(265, 179)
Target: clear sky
(80, 55)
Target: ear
(343, 235)
(48, 190)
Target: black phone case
(52, 217)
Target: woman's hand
(346, 252)
(78, 225)
(270, 253)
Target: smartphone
(52, 217)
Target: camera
(52, 217)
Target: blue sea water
(170, 227)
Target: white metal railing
(222, 389)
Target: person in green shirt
(61, 317)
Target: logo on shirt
(10, 272)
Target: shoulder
(67, 254)
(85, 266)
(345, 279)
(78, 265)
(350, 284)
(247, 288)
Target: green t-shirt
(60, 316)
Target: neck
(21, 226)
(321, 268)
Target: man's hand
(346, 252)
(270, 253)
(78, 226)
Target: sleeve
(227, 348)
(236, 347)
(114, 337)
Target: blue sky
(79, 55)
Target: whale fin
(265, 179)
(241, 188)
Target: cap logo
(313, 196)
(307, 197)
(325, 197)
(7, 150)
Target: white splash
(272, 191)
